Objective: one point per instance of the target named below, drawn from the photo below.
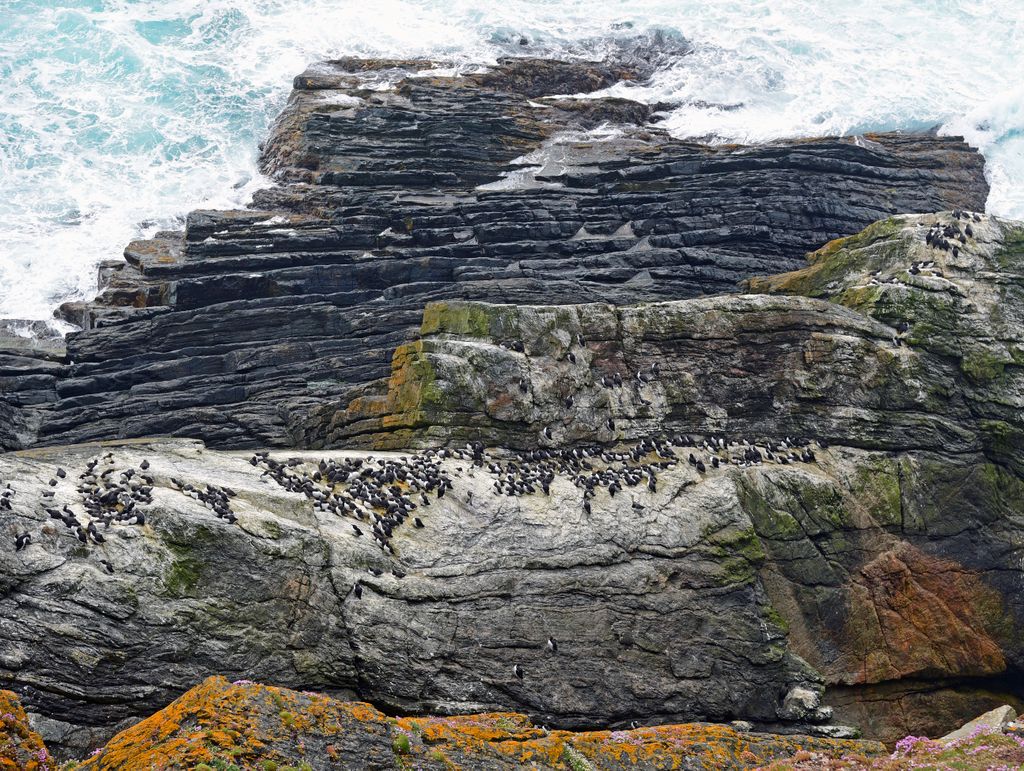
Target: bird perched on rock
(22, 541)
(518, 671)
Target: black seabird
(552, 645)
(22, 541)
(518, 671)
(91, 530)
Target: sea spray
(118, 117)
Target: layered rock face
(399, 187)
(871, 350)
(901, 579)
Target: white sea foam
(119, 116)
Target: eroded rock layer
(904, 345)
(884, 342)
(651, 597)
(398, 187)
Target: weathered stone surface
(750, 365)
(476, 187)
(255, 726)
(29, 368)
(878, 552)
(966, 308)
(903, 594)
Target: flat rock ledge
(739, 592)
(245, 725)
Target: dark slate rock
(237, 328)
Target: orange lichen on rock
(21, 748)
(467, 741)
(245, 724)
(220, 725)
(713, 746)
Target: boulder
(992, 722)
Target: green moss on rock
(740, 553)
(776, 618)
(469, 319)
(981, 365)
(183, 576)
(836, 260)
(1011, 254)
(876, 487)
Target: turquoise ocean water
(118, 116)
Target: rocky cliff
(398, 187)
(558, 419)
(834, 500)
